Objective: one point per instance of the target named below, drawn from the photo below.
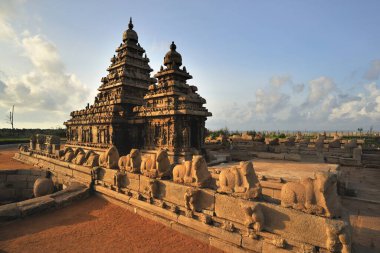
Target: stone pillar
(357, 154)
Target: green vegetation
(9, 136)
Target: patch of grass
(13, 140)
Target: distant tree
(360, 130)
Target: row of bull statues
(311, 195)
(314, 196)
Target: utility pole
(10, 117)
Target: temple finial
(130, 25)
(173, 46)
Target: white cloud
(373, 73)
(278, 81)
(320, 88)
(45, 94)
(362, 108)
(323, 107)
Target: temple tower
(109, 121)
(173, 112)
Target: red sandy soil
(91, 225)
(6, 161)
(94, 225)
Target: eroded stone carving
(92, 159)
(158, 167)
(254, 217)
(151, 190)
(338, 238)
(240, 181)
(193, 172)
(228, 226)
(190, 198)
(67, 155)
(23, 148)
(316, 196)
(110, 158)
(80, 156)
(131, 162)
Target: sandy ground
(284, 169)
(92, 225)
(6, 161)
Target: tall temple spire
(130, 25)
(130, 34)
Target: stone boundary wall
(62, 172)
(28, 207)
(346, 156)
(17, 185)
(204, 213)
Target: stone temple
(141, 144)
(132, 111)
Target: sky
(261, 65)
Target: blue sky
(288, 65)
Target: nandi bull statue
(109, 158)
(131, 162)
(316, 196)
(193, 172)
(156, 166)
(240, 181)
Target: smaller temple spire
(173, 46)
(130, 25)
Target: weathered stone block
(19, 184)
(23, 172)
(7, 194)
(36, 172)
(292, 157)
(286, 222)
(16, 178)
(227, 247)
(171, 192)
(131, 181)
(266, 155)
(191, 232)
(234, 238)
(270, 248)
(27, 193)
(35, 205)
(9, 212)
(3, 178)
(70, 194)
(252, 244)
(32, 178)
(174, 193)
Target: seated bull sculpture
(240, 181)
(80, 156)
(109, 158)
(316, 196)
(92, 159)
(67, 155)
(193, 172)
(158, 167)
(131, 162)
